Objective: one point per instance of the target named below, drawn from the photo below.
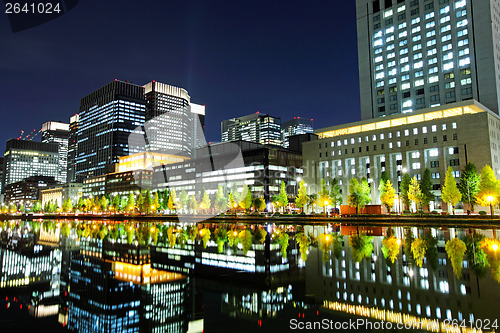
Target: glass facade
(106, 119)
(258, 127)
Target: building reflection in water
(402, 291)
(123, 295)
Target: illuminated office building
(295, 126)
(256, 127)
(437, 138)
(420, 54)
(106, 119)
(23, 159)
(174, 125)
(27, 191)
(262, 168)
(60, 193)
(72, 148)
(57, 132)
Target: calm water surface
(105, 276)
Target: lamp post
(490, 199)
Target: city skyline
(252, 60)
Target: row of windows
(382, 146)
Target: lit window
(433, 152)
(460, 4)
(465, 81)
(430, 33)
(415, 131)
(379, 59)
(431, 42)
(418, 64)
(462, 23)
(405, 86)
(402, 25)
(448, 66)
(389, 30)
(407, 132)
(464, 61)
(444, 10)
(400, 9)
(405, 68)
(387, 13)
(433, 79)
(415, 30)
(445, 38)
(454, 125)
(430, 25)
(415, 154)
(415, 166)
(429, 15)
(403, 34)
(378, 34)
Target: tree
(426, 188)
(384, 177)
(81, 204)
(403, 188)
(116, 202)
(193, 204)
(140, 202)
(231, 202)
(147, 203)
(155, 205)
(205, 204)
(335, 195)
(171, 204)
(165, 198)
(469, 184)
(259, 204)
(183, 199)
(66, 207)
(450, 193)
(388, 195)
(245, 201)
(103, 203)
(414, 194)
(312, 200)
(281, 200)
(37, 207)
(220, 200)
(130, 202)
(488, 189)
(323, 196)
(359, 194)
(302, 197)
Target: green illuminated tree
(455, 248)
(469, 184)
(489, 189)
(335, 195)
(220, 200)
(302, 197)
(403, 188)
(426, 189)
(450, 193)
(388, 195)
(205, 204)
(323, 196)
(359, 194)
(414, 194)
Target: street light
(495, 247)
(490, 200)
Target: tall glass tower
(72, 148)
(415, 54)
(57, 132)
(106, 119)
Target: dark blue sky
(285, 58)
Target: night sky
(284, 58)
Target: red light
(317, 312)
(20, 306)
(6, 298)
(116, 79)
(154, 81)
(8, 305)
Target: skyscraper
(419, 54)
(256, 127)
(23, 159)
(57, 132)
(169, 127)
(106, 119)
(295, 126)
(72, 148)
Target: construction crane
(33, 135)
(30, 136)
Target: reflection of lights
(399, 241)
(490, 199)
(410, 272)
(327, 238)
(495, 247)
(326, 203)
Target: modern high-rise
(72, 148)
(297, 125)
(106, 119)
(198, 114)
(57, 132)
(419, 54)
(256, 127)
(170, 124)
(23, 159)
